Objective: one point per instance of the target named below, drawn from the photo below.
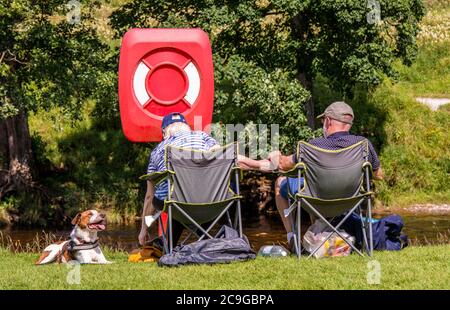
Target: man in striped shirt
(176, 132)
(337, 121)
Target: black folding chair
(335, 182)
(199, 190)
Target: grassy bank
(412, 268)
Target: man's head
(338, 116)
(173, 123)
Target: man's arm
(375, 162)
(148, 209)
(252, 164)
(284, 163)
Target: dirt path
(433, 103)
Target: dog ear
(76, 219)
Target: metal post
(169, 220)
(166, 250)
(299, 218)
(364, 230)
(169, 228)
(369, 213)
(238, 203)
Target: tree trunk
(17, 173)
(309, 104)
(301, 32)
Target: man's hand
(378, 174)
(274, 159)
(284, 163)
(266, 165)
(143, 234)
(252, 164)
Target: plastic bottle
(273, 251)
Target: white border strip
(139, 83)
(194, 83)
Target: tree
(46, 60)
(267, 53)
(351, 41)
(255, 79)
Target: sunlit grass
(412, 268)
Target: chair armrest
(368, 165)
(156, 177)
(294, 171)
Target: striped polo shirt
(343, 139)
(197, 140)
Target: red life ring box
(163, 71)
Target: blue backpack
(386, 232)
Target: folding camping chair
(199, 190)
(335, 182)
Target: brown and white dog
(83, 243)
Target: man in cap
(176, 132)
(337, 121)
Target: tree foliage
(48, 57)
(353, 41)
(253, 56)
(267, 55)
(46, 60)
(265, 51)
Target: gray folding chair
(335, 182)
(199, 190)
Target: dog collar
(72, 246)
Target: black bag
(225, 247)
(386, 232)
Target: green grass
(416, 151)
(412, 268)
(429, 75)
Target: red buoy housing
(163, 71)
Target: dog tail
(51, 253)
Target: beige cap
(339, 111)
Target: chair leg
(214, 222)
(238, 210)
(229, 219)
(169, 228)
(299, 230)
(238, 203)
(364, 231)
(164, 236)
(369, 211)
(369, 216)
(187, 238)
(334, 228)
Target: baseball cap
(339, 111)
(172, 118)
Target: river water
(260, 230)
